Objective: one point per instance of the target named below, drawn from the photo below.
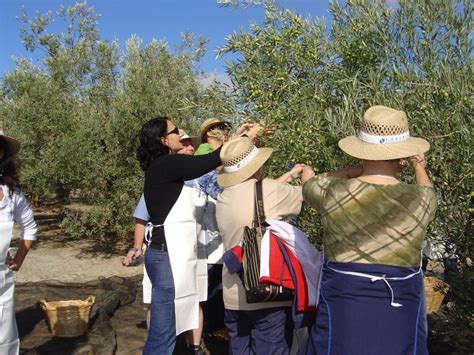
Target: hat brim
(359, 149)
(225, 179)
(195, 141)
(211, 126)
(13, 144)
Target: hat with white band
(384, 135)
(240, 160)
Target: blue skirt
(356, 316)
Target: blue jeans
(265, 331)
(162, 333)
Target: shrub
(79, 113)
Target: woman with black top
(171, 258)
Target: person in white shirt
(13, 209)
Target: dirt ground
(57, 257)
(71, 262)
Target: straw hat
(241, 159)
(207, 125)
(13, 144)
(384, 135)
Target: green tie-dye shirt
(369, 223)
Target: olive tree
(79, 112)
(314, 81)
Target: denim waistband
(159, 246)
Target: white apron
(180, 233)
(9, 342)
(211, 235)
(200, 202)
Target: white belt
(149, 231)
(375, 278)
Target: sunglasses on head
(221, 126)
(174, 131)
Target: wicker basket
(435, 289)
(68, 318)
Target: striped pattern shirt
(370, 223)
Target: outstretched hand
(307, 173)
(254, 130)
(418, 160)
(243, 129)
(297, 169)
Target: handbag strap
(259, 212)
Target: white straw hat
(12, 143)
(384, 135)
(240, 159)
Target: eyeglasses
(221, 127)
(174, 131)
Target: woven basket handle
(90, 300)
(45, 305)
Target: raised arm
(188, 167)
(291, 174)
(418, 162)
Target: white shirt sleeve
(23, 216)
(141, 211)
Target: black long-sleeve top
(164, 180)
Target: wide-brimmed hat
(384, 135)
(13, 145)
(207, 125)
(240, 159)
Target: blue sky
(161, 19)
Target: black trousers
(214, 306)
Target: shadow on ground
(117, 319)
(100, 339)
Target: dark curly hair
(150, 141)
(8, 169)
